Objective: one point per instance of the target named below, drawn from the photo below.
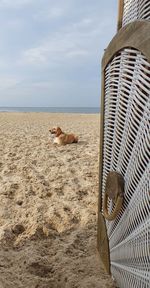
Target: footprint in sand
(39, 269)
(18, 229)
(12, 190)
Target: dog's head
(56, 131)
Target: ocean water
(80, 110)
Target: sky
(51, 51)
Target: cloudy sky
(50, 51)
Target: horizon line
(50, 106)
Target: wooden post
(120, 13)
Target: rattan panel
(127, 150)
(135, 10)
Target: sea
(80, 110)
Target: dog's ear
(58, 131)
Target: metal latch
(114, 191)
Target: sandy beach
(48, 203)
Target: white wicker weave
(127, 150)
(135, 10)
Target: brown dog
(62, 138)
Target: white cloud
(51, 53)
(50, 13)
(55, 12)
(77, 53)
(74, 40)
(84, 23)
(14, 3)
(8, 82)
(35, 55)
(42, 85)
(54, 50)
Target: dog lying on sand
(62, 138)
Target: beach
(48, 207)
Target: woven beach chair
(124, 182)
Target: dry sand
(48, 203)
